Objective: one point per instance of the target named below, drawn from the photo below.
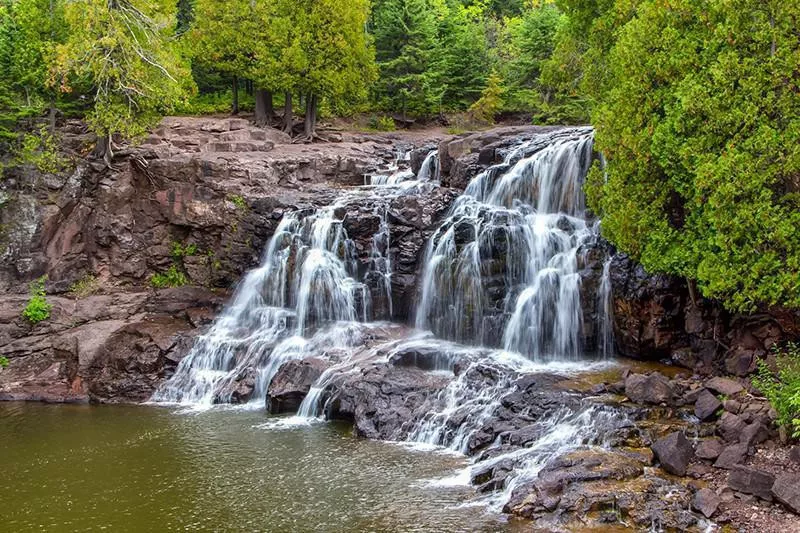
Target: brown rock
(752, 481)
(731, 456)
(709, 449)
(730, 426)
(706, 405)
(786, 490)
(706, 501)
(754, 433)
(725, 386)
(674, 452)
(654, 388)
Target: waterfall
(605, 313)
(502, 269)
(306, 280)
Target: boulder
(674, 452)
(754, 433)
(654, 388)
(730, 426)
(709, 449)
(706, 501)
(706, 405)
(725, 386)
(731, 456)
(292, 383)
(752, 481)
(786, 490)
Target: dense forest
(696, 103)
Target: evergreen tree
(124, 48)
(699, 118)
(405, 47)
(339, 56)
(463, 55)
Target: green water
(95, 468)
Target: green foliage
(179, 251)
(783, 389)
(40, 150)
(490, 102)
(238, 201)
(3, 361)
(405, 35)
(85, 286)
(37, 308)
(382, 123)
(125, 51)
(212, 104)
(171, 278)
(699, 119)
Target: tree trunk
(102, 149)
(288, 116)
(235, 106)
(311, 116)
(265, 111)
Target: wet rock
(706, 501)
(384, 400)
(292, 383)
(731, 456)
(751, 481)
(709, 449)
(725, 386)
(654, 388)
(786, 490)
(674, 452)
(571, 489)
(706, 405)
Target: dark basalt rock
(674, 452)
(292, 383)
(786, 490)
(752, 481)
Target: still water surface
(139, 468)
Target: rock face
(106, 348)
(657, 318)
(292, 383)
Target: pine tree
(339, 57)
(406, 45)
(124, 48)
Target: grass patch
(86, 286)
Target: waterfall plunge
(503, 269)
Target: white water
(503, 270)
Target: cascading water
(307, 279)
(503, 268)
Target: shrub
(783, 389)
(180, 251)
(238, 201)
(3, 361)
(37, 308)
(171, 278)
(85, 286)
